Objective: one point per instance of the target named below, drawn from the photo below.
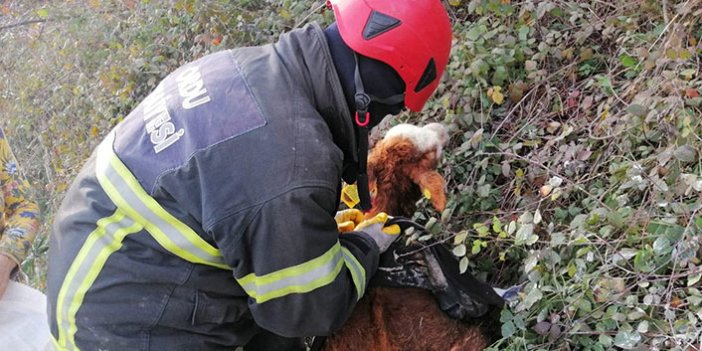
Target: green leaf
(524, 234)
(523, 32)
(484, 190)
(532, 239)
(627, 340)
(460, 250)
(482, 229)
(628, 61)
(671, 231)
(512, 226)
(685, 153)
(508, 329)
(688, 73)
(475, 248)
(537, 216)
(460, 237)
(637, 110)
(662, 246)
(474, 33)
(605, 340)
(463, 265)
(643, 260)
(43, 13)
(698, 222)
(532, 297)
(496, 225)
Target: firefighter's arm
(302, 277)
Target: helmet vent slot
(379, 23)
(427, 77)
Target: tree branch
(23, 23)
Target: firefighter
(207, 216)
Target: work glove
(347, 220)
(376, 229)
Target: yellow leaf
(61, 187)
(567, 53)
(586, 54)
(671, 54)
(605, 113)
(285, 14)
(495, 94)
(427, 194)
(684, 54)
(455, 2)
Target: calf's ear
(432, 185)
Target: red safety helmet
(411, 36)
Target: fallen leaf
(586, 54)
(552, 126)
(685, 153)
(495, 94)
(542, 328)
(546, 190)
(530, 65)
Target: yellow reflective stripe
(301, 278)
(188, 233)
(293, 289)
(100, 244)
(57, 346)
(120, 184)
(358, 273)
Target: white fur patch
(430, 137)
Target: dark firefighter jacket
(208, 213)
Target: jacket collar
(323, 82)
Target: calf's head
(402, 169)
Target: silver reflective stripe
(100, 244)
(126, 192)
(358, 273)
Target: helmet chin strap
(362, 118)
(362, 101)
